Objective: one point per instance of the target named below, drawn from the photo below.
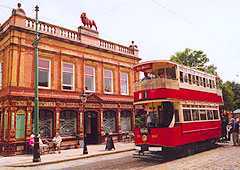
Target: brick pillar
(29, 122)
(57, 120)
(118, 122)
(9, 146)
(133, 118)
(102, 133)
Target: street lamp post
(83, 98)
(36, 149)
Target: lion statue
(89, 23)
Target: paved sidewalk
(65, 155)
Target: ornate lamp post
(36, 149)
(83, 98)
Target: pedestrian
(224, 127)
(109, 143)
(57, 140)
(235, 132)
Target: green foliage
(194, 58)
(231, 95)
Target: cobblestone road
(226, 157)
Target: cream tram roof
(153, 65)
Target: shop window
(109, 121)
(195, 114)
(44, 73)
(187, 115)
(20, 124)
(68, 124)
(90, 79)
(124, 83)
(67, 76)
(46, 123)
(125, 121)
(108, 81)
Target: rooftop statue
(86, 21)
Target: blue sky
(159, 27)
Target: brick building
(69, 62)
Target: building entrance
(91, 126)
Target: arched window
(20, 124)
(68, 123)
(125, 121)
(109, 121)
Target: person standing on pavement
(235, 132)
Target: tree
(194, 58)
(228, 96)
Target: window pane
(187, 115)
(67, 78)
(89, 70)
(46, 123)
(68, 67)
(20, 125)
(125, 121)
(68, 123)
(43, 78)
(89, 83)
(210, 114)
(43, 64)
(124, 83)
(215, 113)
(203, 114)
(109, 121)
(195, 114)
(107, 85)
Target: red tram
(181, 107)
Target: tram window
(187, 115)
(190, 78)
(204, 82)
(195, 114)
(181, 76)
(203, 114)
(165, 114)
(215, 113)
(161, 73)
(210, 114)
(210, 83)
(213, 84)
(194, 79)
(171, 73)
(176, 116)
(185, 78)
(207, 83)
(197, 80)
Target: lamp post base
(85, 151)
(36, 150)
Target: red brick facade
(60, 110)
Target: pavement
(65, 155)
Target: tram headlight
(144, 138)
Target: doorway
(91, 126)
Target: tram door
(91, 126)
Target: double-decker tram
(180, 108)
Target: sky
(160, 28)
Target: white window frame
(126, 73)
(94, 78)
(49, 74)
(111, 92)
(73, 77)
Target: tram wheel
(189, 150)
